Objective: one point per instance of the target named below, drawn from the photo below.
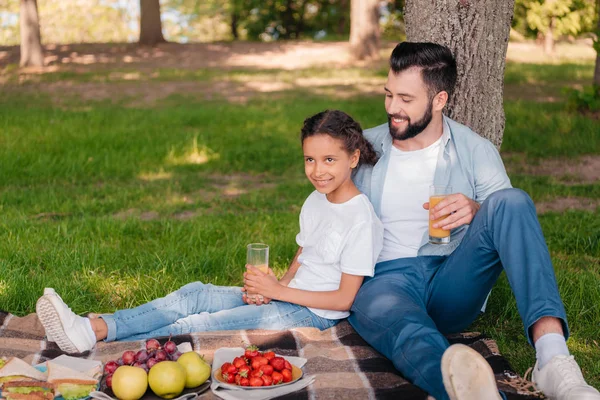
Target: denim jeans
(405, 310)
(199, 307)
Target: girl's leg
(275, 315)
(193, 298)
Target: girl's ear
(354, 158)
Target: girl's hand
(254, 299)
(258, 282)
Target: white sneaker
(561, 379)
(67, 329)
(467, 375)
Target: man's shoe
(467, 375)
(561, 379)
(63, 326)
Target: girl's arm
(285, 279)
(338, 300)
(293, 268)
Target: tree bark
(234, 24)
(477, 33)
(549, 38)
(597, 47)
(150, 24)
(364, 29)
(31, 42)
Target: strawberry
(278, 363)
(266, 369)
(229, 378)
(231, 369)
(238, 379)
(244, 371)
(288, 365)
(287, 375)
(277, 378)
(269, 355)
(238, 362)
(256, 373)
(244, 382)
(256, 382)
(225, 367)
(267, 380)
(251, 352)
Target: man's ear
(440, 100)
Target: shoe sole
(482, 365)
(50, 319)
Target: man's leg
(389, 313)
(506, 234)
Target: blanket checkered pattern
(345, 365)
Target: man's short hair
(437, 64)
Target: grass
(93, 198)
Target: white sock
(91, 336)
(549, 346)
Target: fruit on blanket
(110, 367)
(197, 370)
(167, 379)
(152, 344)
(255, 368)
(170, 347)
(129, 383)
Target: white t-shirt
(336, 238)
(406, 188)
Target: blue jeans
(405, 310)
(199, 307)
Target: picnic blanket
(344, 364)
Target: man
(422, 291)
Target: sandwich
(16, 369)
(69, 383)
(28, 390)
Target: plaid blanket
(345, 365)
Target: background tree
(150, 23)
(597, 48)
(31, 42)
(550, 19)
(364, 29)
(477, 33)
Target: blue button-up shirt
(467, 162)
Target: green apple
(129, 383)
(167, 379)
(197, 370)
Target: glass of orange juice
(257, 255)
(437, 194)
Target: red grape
(152, 344)
(151, 362)
(120, 361)
(128, 357)
(109, 381)
(110, 367)
(161, 355)
(141, 356)
(170, 347)
(141, 365)
(175, 356)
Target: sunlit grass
(131, 203)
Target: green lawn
(114, 206)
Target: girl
(340, 239)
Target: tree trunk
(234, 24)
(150, 24)
(597, 47)
(549, 38)
(477, 33)
(364, 29)
(31, 43)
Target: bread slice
(28, 390)
(16, 369)
(58, 374)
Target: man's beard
(413, 128)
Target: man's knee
(511, 199)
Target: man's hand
(258, 282)
(460, 210)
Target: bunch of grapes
(145, 359)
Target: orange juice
(436, 232)
(264, 268)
